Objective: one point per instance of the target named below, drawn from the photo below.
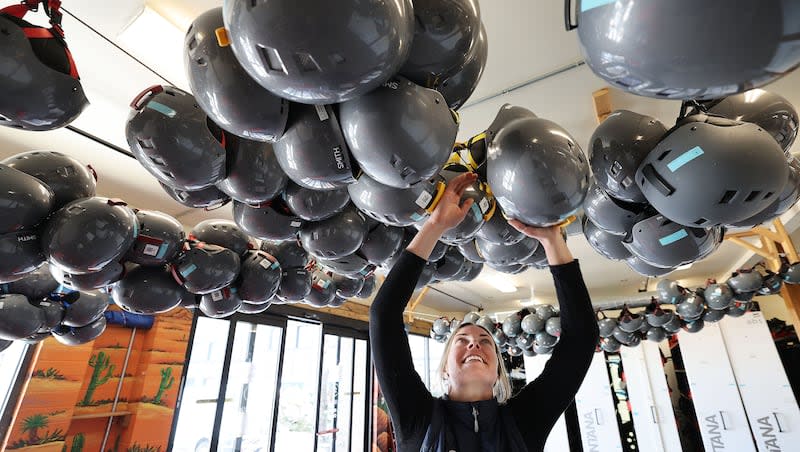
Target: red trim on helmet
(152, 90)
(37, 33)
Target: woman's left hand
(451, 211)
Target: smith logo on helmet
(26, 238)
(392, 85)
(337, 154)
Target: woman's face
(472, 358)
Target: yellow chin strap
(440, 187)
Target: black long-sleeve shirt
(534, 410)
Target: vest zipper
(475, 416)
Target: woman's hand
(451, 211)
(550, 238)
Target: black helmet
(482, 208)
(224, 233)
(381, 242)
(656, 316)
(628, 321)
(174, 140)
(788, 197)
(24, 200)
(471, 252)
(368, 288)
(68, 178)
(160, 238)
(748, 167)
(457, 85)
(537, 171)
(608, 245)
(207, 198)
(745, 280)
(506, 254)
(532, 323)
(82, 308)
(104, 277)
(352, 265)
(656, 334)
(396, 206)
(313, 151)
(346, 286)
(718, 296)
(643, 268)
(259, 276)
(628, 339)
(35, 285)
(253, 173)
(249, 308)
(41, 86)
(20, 254)
(289, 253)
(524, 340)
(790, 276)
(148, 290)
(662, 243)
(295, 284)
(338, 236)
(669, 291)
(323, 290)
(617, 148)
(449, 265)
(80, 335)
(694, 326)
(53, 313)
(390, 148)
(314, 55)
(610, 344)
(222, 87)
(771, 285)
(545, 339)
(713, 316)
(220, 303)
(272, 221)
(673, 326)
(606, 326)
(88, 234)
(315, 205)
(609, 214)
(691, 306)
(497, 230)
(18, 318)
(202, 268)
(739, 309)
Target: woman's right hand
(451, 211)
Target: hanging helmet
(53, 313)
(538, 259)
(391, 149)
(248, 308)
(427, 276)
(739, 309)
(656, 316)
(68, 178)
(694, 326)
(396, 206)
(367, 288)
(744, 296)
(160, 239)
(482, 208)
(545, 311)
(771, 285)
(441, 326)
(315, 205)
(718, 296)
(470, 317)
(545, 339)
(617, 147)
(82, 308)
(537, 171)
(448, 266)
(35, 285)
(220, 303)
(662, 243)
(688, 65)
(313, 151)
(348, 287)
(609, 214)
(512, 325)
(500, 337)
(532, 323)
(788, 197)
(749, 171)
(514, 350)
(323, 290)
(20, 254)
(745, 280)
(41, 86)
(224, 233)
(766, 109)
(338, 236)
(148, 290)
(288, 253)
(713, 316)
(553, 326)
(487, 324)
(525, 340)
(24, 200)
(608, 245)
(273, 221)
(88, 234)
(539, 349)
(174, 140)
(505, 115)
(644, 329)
(506, 254)
(202, 268)
(691, 306)
(381, 242)
(509, 269)
(458, 85)
(610, 344)
(628, 321)
(259, 277)
(673, 326)
(643, 268)
(18, 318)
(497, 230)
(606, 326)
(790, 276)
(669, 291)
(473, 271)
(223, 89)
(80, 335)
(351, 265)
(253, 173)
(629, 339)
(295, 284)
(471, 252)
(656, 334)
(104, 277)
(206, 198)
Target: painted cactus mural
(100, 363)
(32, 424)
(166, 382)
(77, 443)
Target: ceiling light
(527, 303)
(685, 267)
(501, 283)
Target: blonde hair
(501, 388)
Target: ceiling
(124, 46)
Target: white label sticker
(484, 205)
(295, 224)
(150, 250)
(424, 199)
(323, 115)
(44, 303)
(216, 295)
(2, 303)
(265, 263)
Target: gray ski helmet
(148, 290)
(656, 334)
(539, 349)
(538, 259)
(749, 171)
(718, 296)
(505, 115)
(509, 269)
(458, 85)
(553, 326)
(207, 198)
(768, 110)
(445, 35)
(514, 350)
(396, 206)
(88, 234)
(450, 265)
(471, 252)
(744, 296)
(537, 171)
(160, 238)
(487, 324)
(259, 276)
(427, 276)
(4, 344)
(608, 245)
(315, 205)
(475, 269)
(220, 303)
(790, 276)
(470, 317)
(629, 321)
(247, 308)
(18, 318)
(788, 197)
(643, 268)
(223, 89)
(368, 288)
(24, 200)
(497, 230)
(53, 313)
(545, 311)
(739, 309)
(173, 139)
(691, 306)
(506, 254)
(253, 173)
(689, 65)
(41, 86)
(273, 221)
(438, 251)
(656, 316)
(224, 233)
(338, 236)
(314, 55)
(661, 242)
(713, 316)
(68, 178)
(545, 339)
(745, 280)
(348, 287)
(623, 337)
(35, 285)
(391, 149)
(104, 277)
(500, 337)
(313, 151)
(771, 285)
(323, 290)
(295, 284)
(610, 344)
(80, 335)
(337, 302)
(202, 268)
(82, 308)
(606, 326)
(694, 326)
(381, 242)
(441, 326)
(673, 326)
(609, 214)
(617, 148)
(482, 208)
(20, 254)
(524, 340)
(289, 253)
(351, 265)
(669, 291)
(532, 323)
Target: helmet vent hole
(337, 58)
(200, 61)
(701, 221)
(753, 195)
(728, 197)
(146, 143)
(192, 43)
(768, 194)
(664, 155)
(306, 62)
(272, 59)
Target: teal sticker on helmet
(416, 217)
(161, 108)
(685, 158)
(476, 211)
(187, 270)
(586, 5)
(162, 251)
(672, 238)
